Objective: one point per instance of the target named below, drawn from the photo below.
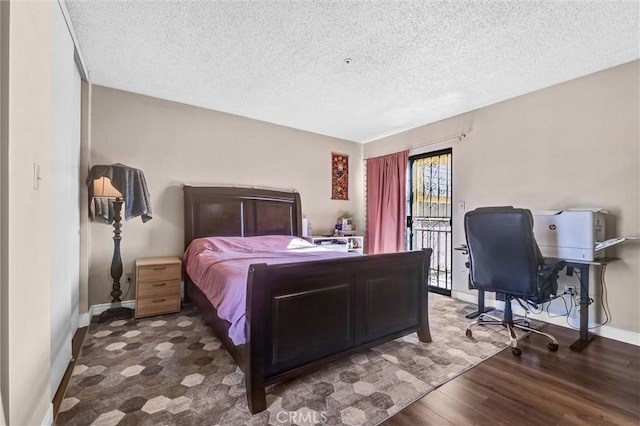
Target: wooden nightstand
(157, 285)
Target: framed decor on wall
(339, 176)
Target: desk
(583, 267)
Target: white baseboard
(98, 309)
(48, 417)
(604, 331)
(466, 297)
(84, 319)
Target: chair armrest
(551, 266)
(548, 279)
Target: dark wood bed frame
(303, 315)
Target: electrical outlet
(129, 276)
(569, 289)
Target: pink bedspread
(219, 267)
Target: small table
(350, 243)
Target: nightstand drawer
(158, 288)
(158, 285)
(159, 272)
(157, 305)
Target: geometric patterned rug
(171, 369)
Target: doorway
(429, 193)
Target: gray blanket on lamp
(131, 184)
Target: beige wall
(25, 384)
(175, 144)
(571, 145)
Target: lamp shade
(118, 181)
(102, 188)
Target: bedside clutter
(353, 244)
(157, 286)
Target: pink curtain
(386, 203)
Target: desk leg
(585, 336)
(481, 308)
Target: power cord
(603, 299)
(530, 308)
(604, 296)
(128, 287)
(575, 302)
(566, 308)
(128, 278)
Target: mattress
(219, 267)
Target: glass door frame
(410, 205)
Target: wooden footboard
(303, 315)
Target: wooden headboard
(229, 211)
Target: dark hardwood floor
(76, 344)
(598, 386)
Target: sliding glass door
(429, 192)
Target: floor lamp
(102, 188)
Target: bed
(302, 315)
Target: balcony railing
(436, 234)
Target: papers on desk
(611, 242)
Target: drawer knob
(159, 285)
(159, 300)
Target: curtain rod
(460, 136)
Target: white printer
(570, 234)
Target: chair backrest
(503, 254)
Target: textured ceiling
(412, 62)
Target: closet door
(73, 179)
(65, 198)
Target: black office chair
(504, 258)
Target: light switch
(36, 176)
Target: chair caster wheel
(516, 351)
(468, 333)
(553, 347)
